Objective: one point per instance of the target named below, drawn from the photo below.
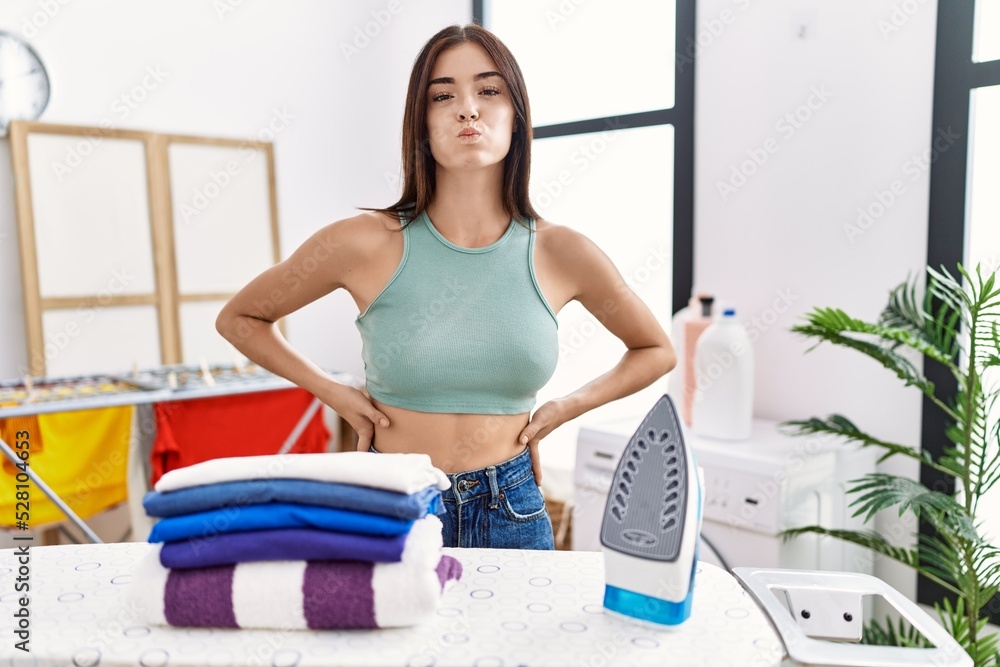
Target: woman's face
(458, 101)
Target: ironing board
(511, 607)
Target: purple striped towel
(290, 594)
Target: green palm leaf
(898, 634)
(879, 491)
(865, 538)
(824, 325)
(940, 555)
(955, 619)
(974, 452)
(950, 291)
(838, 425)
(935, 330)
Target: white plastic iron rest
(650, 535)
(824, 606)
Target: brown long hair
(418, 162)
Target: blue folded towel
(274, 515)
(302, 491)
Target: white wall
(232, 73)
(783, 235)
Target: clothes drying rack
(153, 387)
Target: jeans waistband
(470, 484)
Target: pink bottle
(693, 328)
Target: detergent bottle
(724, 369)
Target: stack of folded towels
(298, 541)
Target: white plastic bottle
(724, 369)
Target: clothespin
(32, 392)
(206, 375)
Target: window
(612, 108)
(965, 228)
(987, 31)
(592, 59)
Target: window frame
(956, 75)
(681, 117)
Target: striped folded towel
(296, 594)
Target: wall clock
(24, 83)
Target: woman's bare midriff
(455, 442)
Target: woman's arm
(597, 284)
(600, 288)
(316, 268)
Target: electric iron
(652, 522)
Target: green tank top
(460, 329)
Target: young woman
(458, 285)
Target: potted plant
(955, 323)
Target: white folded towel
(297, 595)
(405, 473)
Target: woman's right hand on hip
(355, 406)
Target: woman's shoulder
(373, 221)
(358, 239)
(570, 251)
(379, 221)
(369, 230)
(559, 240)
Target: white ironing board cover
(511, 607)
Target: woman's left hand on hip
(546, 419)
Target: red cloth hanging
(196, 430)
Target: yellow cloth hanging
(81, 455)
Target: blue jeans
(496, 507)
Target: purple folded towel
(281, 544)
